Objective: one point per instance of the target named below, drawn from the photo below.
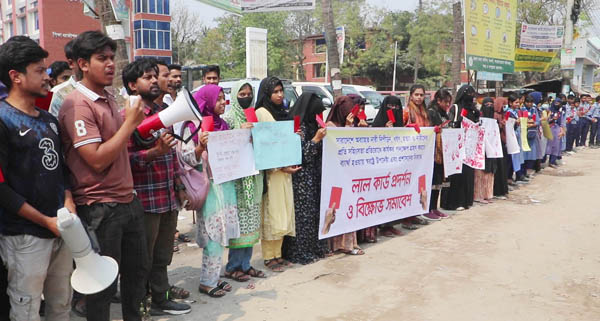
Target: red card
(422, 183)
(391, 116)
(250, 115)
(362, 115)
(44, 103)
(208, 124)
(463, 113)
(507, 115)
(320, 121)
(1, 176)
(416, 127)
(520, 112)
(525, 114)
(336, 197)
(355, 110)
(534, 117)
(321, 115)
(296, 123)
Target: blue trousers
(584, 124)
(572, 134)
(594, 139)
(239, 259)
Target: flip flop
(255, 273)
(224, 286)
(355, 252)
(238, 276)
(273, 265)
(213, 292)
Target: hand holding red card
(251, 115)
(416, 127)
(320, 121)
(362, 115)
(391, 116)
(463, 113)
(355, 110)
(506, 116)
(335, 198)
(208, 124)
(534, 117)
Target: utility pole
(332, 48)
(395, 60)
(113, 28)
(568, 43)
(418, 53)
(457, 46)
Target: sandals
(273, 265)
(215, 292)
(284, 262)
(175, 246)
(176, 292)
(255, 273)
(224, 286)
(410, 226)
(354, 252)
(238, 276)
(184, 238)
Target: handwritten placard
(512, 144)
(474, 144)
(379, 171)
(230, 155)
(493, 143)
(453, 150)
(276, 145)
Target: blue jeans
(239, 259)
(572, 132)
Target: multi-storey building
(53, 23)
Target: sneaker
(431, 216)
(440, 214)
(460, 209)
(169, 307)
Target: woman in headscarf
(278, 218)
(438, 115)
(306, 247)
(484, 178)
(554, 119)
(394, 104)
(533, 136)
(341, 115)
(460, 194)
(500, 177)
(416, 113)
(217, 219)
(249, 196)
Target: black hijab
(487, 111)
(308, 106)
(464, 100)
(382, 118)
(265, 90)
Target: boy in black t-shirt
(32, 188)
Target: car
(289, 93)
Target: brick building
(53, 23)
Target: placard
(453, 148)
(512, 144)
(474, 144)
(276, 145)
(230, 155)
(493, 142)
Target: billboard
(490, 29)
(248, 6)
(531, 60)
(540, 37)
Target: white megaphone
(183, 108)
(93, 272)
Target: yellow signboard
(597, 87)
(532, 60)
(490, 29)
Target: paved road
(533, 257)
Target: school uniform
(594, 114)
(585, 123)
(572, 127)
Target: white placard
(230, 155)
(474, 144)
(493, 142)
(512, 145)
(453, 140)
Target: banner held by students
(276, 145)
(230, 155)
(493, 143)
(474, 144)
(453, 140)
(378, 174)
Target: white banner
(540, 37)
(493, 142)
(249, 6)
(373, 176)
(453, 147)
(512, 144)
(474, 144)
(230, 155)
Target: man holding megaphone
(155, 180)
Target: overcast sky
(209, 13)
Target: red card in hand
(208, 124)
(1, 176)
(362, 115)
(520, 112)
(321, 115)
(250, 115)
(320, 121)
(422, 183)
(355, 110)
(296, 123)
(525, 114)
(416, 127)
(534, 117)
(391, 116)
(335, 198)
(463, 113)
(507, 116)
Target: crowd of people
(83, 154)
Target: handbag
(196, 182)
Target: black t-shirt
(31, 162)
